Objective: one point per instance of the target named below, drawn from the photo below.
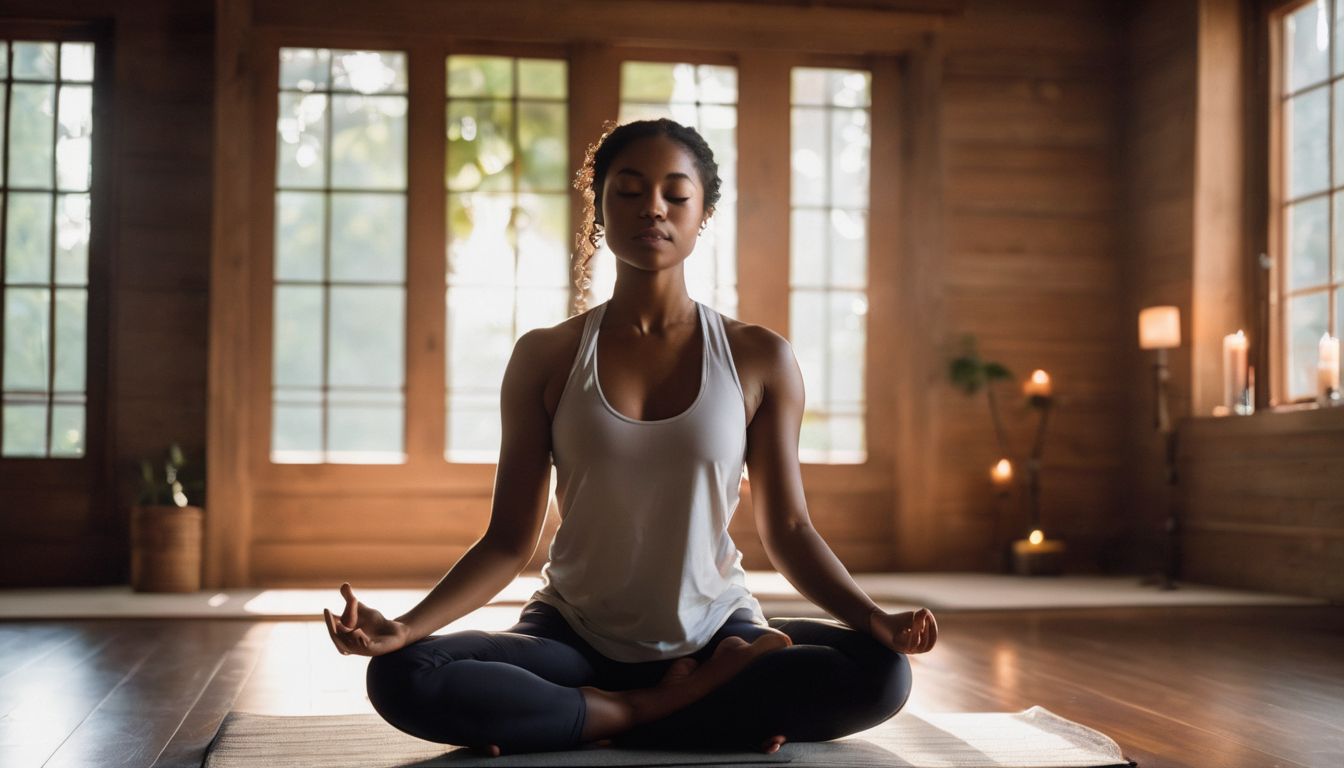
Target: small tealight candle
(1002, 474)
(1038, 385)
(1234, 368)
(1327, 366)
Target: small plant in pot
(166, 527)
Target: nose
(654, 207)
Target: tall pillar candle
(1234, 368)
(1327, 367)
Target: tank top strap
(720, 351)
(583, 358)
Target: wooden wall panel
(148, 346)
(1032, 269)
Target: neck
(650, 302)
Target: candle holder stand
(1166, 578)
(1035, 556)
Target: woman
(644, 632)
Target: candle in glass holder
(1327, 367)
(1038, 385)
(1234, 369)
(1002, 475)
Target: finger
(362, 638)
(331, 630)
(351, 616)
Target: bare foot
(614, 712)
(772, 746)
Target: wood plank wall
(158, 255)
(1158, 238)
(1032, 269)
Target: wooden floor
(1199, 687)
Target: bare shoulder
(548, 354)
(756, 347)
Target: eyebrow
(633, 172)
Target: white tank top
(642, 565)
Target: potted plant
(166, 527)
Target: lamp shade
(1160, 328)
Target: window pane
(849, 158)
(368, 142)
(543, 144)
(306, 69)
(1307, 321)
(809, 156)
(368, 71)
(77, 62)
(301, 131)
(807, 334)
(72, 239)
(1307, 125)
(473, 428)
(480, 251)
(67, 430)
(542, 78)
(848, 313)
(34, 61)
(807, 248)
(480, 337)
(849, 248)
(368, 237)
(1307, 42)
(27, 338)
(365, 430)
(31, 126)
(28, 238)
(74, 138)
(296, 431)
(542, 224)
(480, 145)
(25, 428)
(656, 82)
(1308, 244)
(366, 337)
(300, 223)
(297, 345)
(480, 76)
(71, 322)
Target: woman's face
(652, 203)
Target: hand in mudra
(908, 632)
(364, 630)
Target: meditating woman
(644, 632)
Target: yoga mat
(1034, 738)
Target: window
(45, 199)
(507, 183)
(704, 97)
(338, 374)
(1311, 252)
(828, 257)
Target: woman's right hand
(364, 630)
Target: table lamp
(1160, 329)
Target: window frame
(95, 464)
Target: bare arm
(518, 507)
(794, 546)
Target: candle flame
(1040, 377)
(1003, 470)
(1036, 536)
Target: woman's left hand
(908, 632)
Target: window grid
(472, 446)
(1332, 196)
(294, 395)
(825, 411)
(51, 398)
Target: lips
(652, 233)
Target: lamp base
(1043, 559)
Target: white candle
(1234, 368)
(1327, 365)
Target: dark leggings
(519, 689)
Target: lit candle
(1327, 365)
(1002, 474)
(1038, 385)
(1037, 536)
(1234, 368)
